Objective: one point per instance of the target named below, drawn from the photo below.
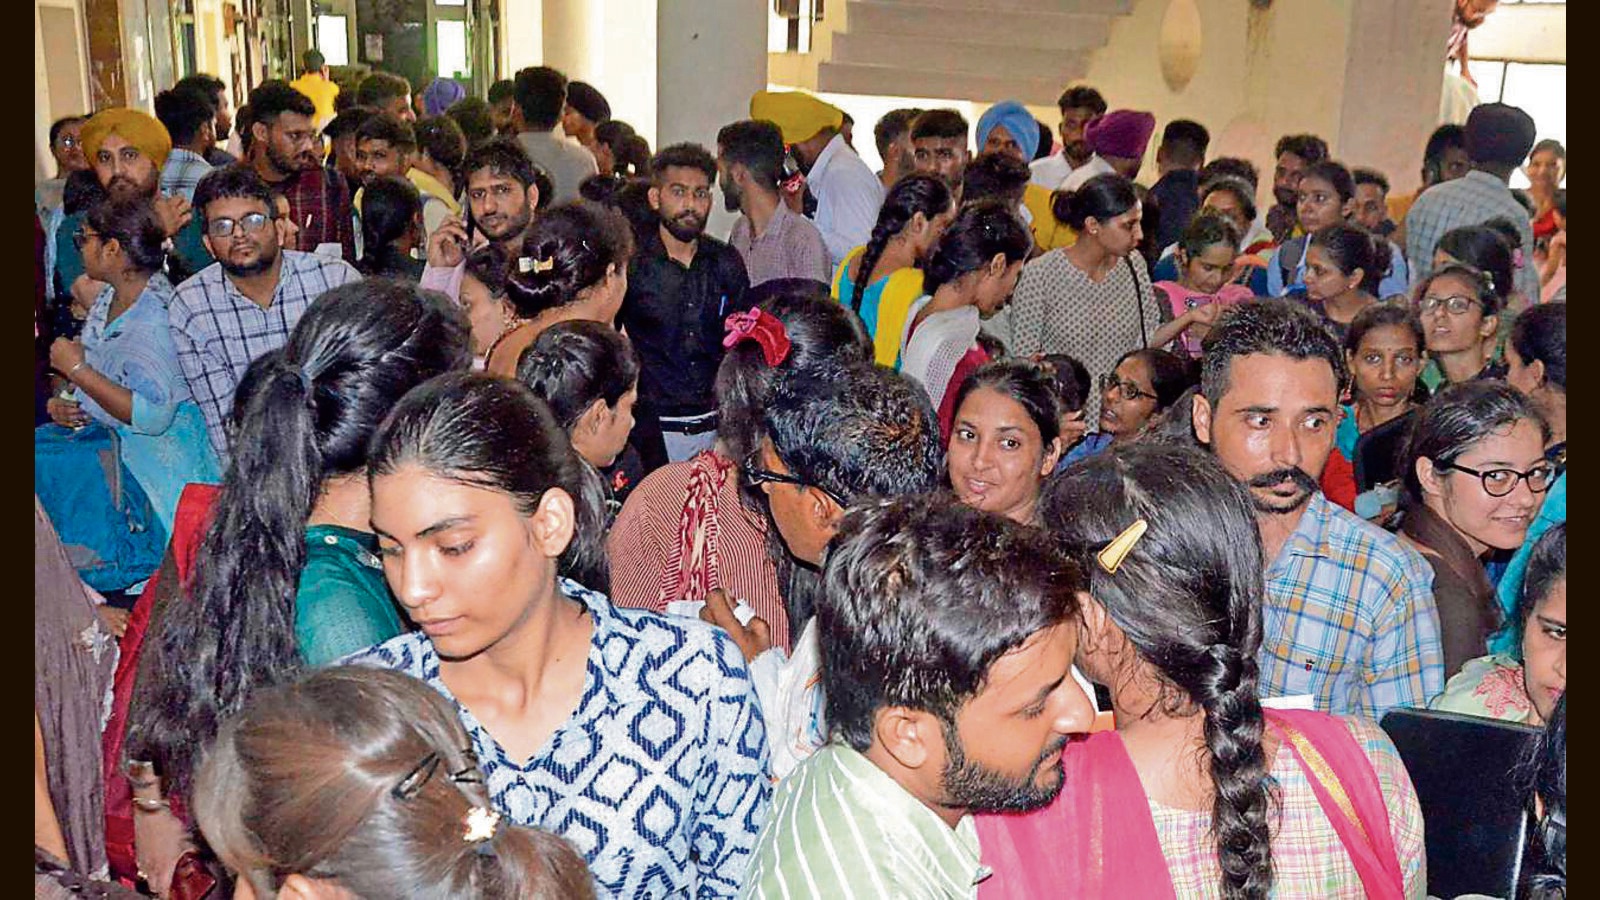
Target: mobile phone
(472, 226)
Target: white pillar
(573, 38)
(521, 35)
(1393, 77)
(711, 55)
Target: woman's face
(485, 312)
(1488, 522)
(995, 290)
(1385, 365)
(1544, 650)
(997, 458)
(463, 561)
(1453, 332)
(602, 433)
(1544, 169)
(1128, 401)
(925, 234)
(1119, 235)
(1207, 272)
(1319, 205)
(1227, 204)
(99, 262)
(68, 149)
(1324, 281)
(1520, 374)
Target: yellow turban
(137, 128)
(798, 114)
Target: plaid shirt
(319, 202)
(1473, 199)
(1350, 618)
(791, 247)
(183, 172)
(219, 330)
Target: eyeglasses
(251, 222)
(79, 238)
(1130, 391)
(1455, 304)
(757, 476)
(1500, 482)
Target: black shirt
(674, 316)
(1177, 194)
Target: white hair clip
(481, 824)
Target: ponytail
(1234, 723)
(919, 192)
(1353, 247)
(569, 248)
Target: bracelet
(81, 364)
(146, 805)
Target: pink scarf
(694, 567)
(1098, 840)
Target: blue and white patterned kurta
(659, 778)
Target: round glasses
(1500, 482)
(1130, 391)
(252, 223)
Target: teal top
(1552, 513)
(1348, 433)
(344, 603)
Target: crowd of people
(513, 536)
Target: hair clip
(413, 781)
(526, 264)
(482, 822)
(762, 327)
(1115, 552)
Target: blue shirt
(137, 352)
(659, 777)
(1395, 281)
(1551, 513)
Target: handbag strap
(1138, 302)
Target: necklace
(512, 327)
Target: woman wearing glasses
(1133, 396)
(1460, 313)
(1475, 476)
(124, 367)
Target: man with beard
(682, 285)
(246, 303)
(189, 119)
(892, 134)
(773, 240)
(288, 157)
(213, 88)
(947, 673)
(1295, 154)
(848, 194)
(502, 196)
(1079, 106)
(939, 144)
(1349, 616)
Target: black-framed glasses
(252, 223)
(1130, 391)
(1500, 482)
(1455, 304)
(81, 237)
(757, 476)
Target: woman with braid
(1241, 802)
(881, 279)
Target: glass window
(452, 38)
(333, 39)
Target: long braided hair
(916, 193)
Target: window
(790, 31)
(452, 42)
(333, 39)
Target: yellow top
(1048, 231)
(321, 91)
(885, 306)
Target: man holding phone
(502, 196)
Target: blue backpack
(105, 520)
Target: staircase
(978, 50)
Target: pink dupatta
(1098, 840)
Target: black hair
(1103, 197)
(587, 101)
(599, 187)
(348, 121)
(1547, 564)
(541, 94)
(1539, 334)
(504, 89)
(1269, 327)
(614, 133)
(633, 159)
(1208, 228)
(390, 206)
(1458, 417)
(891, 125)
(242, 119)
(378, 88)
(1335, 174)
(1082, 97)
(1308, 147)
(495, 433)
(183, 113)
(1171, 376)
(302, 414)
(489, 266)
(441, 138)
(1231, 167)
(1485, 248)
(1188, 598)
(939, 123)
(1379, 315)
(573, 364)
(979, 232)
(1029, 384)
(1365, 175)
(1072, 380)
(64, 121)
(856, 431)
(579, 240)
(236, 181)
(133, 224)
(502, 156)
(631, 199)
(1552, 145)
(1443, 139)
(683, 156)
(274, 97)
(918, 192)
(757, 145)
(1559, 201)
(312, 60)
(995, 176)
(1243, 193)
(1185, 141)
(1482, 284)
(923, 595)
(1546, 769)
(472, 116)
(81, 191)
(1352, 247)
(388, 127)
(210, 85)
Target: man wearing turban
(1008, 128)
(848, 193)
(1119, 140)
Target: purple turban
(1123, 133)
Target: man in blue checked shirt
(1349, 615)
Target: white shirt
(848, 196)
(1049, 172)
(1095, 166)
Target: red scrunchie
(763, 328)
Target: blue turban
(1014, 118)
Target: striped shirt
(841, 828)
(790, 247)
(218, 330)
(183, 172)
(1350, 618)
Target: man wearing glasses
(290, 160)
(247, 302)
(1349, 615)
